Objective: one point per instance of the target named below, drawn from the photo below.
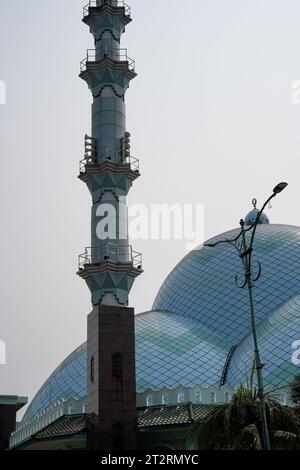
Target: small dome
(251, 217)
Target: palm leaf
(211, 432)
(286, 440)
(295, 389)
(281, 417)
(248, 439)
(238, 423)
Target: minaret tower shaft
(109, 266)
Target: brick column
(111, 378)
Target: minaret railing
(96, 55)
(118, 3)
(108, 154)
(110, 252)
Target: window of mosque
(71, 410)
(84, 408)
(227, 397)
(165, 399)
(212, 397)
(198, 397)
(117, 366)
(92, 371)
(181, 397)
(150, 400)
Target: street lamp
(244, 249)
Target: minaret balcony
(89, 166)
(110, 257)
(117, 58)
(93, 6)
(110, 161)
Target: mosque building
(141, 380)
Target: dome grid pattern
(172, 347)
(69, 379)
(276, 335)
(216, 301)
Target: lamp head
(280, 187)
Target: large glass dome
(199, 329)
(202, 286)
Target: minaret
(109, 266)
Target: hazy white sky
(212, 123)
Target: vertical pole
(258, 364)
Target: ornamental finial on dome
(251, 217)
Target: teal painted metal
(108, 168)
(117, 284)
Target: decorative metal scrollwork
(248, 276)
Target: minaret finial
(251, 217)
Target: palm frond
(286, 440)
(281, 417)
(295, 389)
(248, 439)
(209, 433)
(242, 417)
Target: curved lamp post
(244, 249)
